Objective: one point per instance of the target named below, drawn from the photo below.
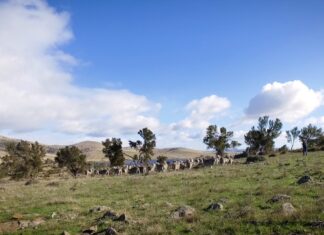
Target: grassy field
(148, 201)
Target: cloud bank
(37, 89)
(290, 101)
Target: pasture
(244, 190)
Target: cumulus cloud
(202, 111)
(290, 101)
(37, 90)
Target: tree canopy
(114, 151)
(260, 139)
(72, 158)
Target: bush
(272, 155)
(253, 159)
(72, 158)
(24, 159)
(283, 149)
(244, 154)
(162, 159)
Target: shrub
(114, 151)
(272, 155)
(162, 159)
(283, 149)
(252, 159)
(24, 159)
(244, 154)
(72, 158)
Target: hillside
(244, 191)
(93, 150)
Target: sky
(78, 70)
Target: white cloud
(290, 101)
(202, 111)
(37, 90)
(318, 121)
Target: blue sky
(175, 66)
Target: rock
(98, 209)
(186, 212)
(108, 231)
(53, 215)
(317, 224)
(121, 218)
(17, 216)
(9, 227)
(36, 222)
(279, 197)
(288, 209)
(109, 215)
(90, 230)
(65, 233)
(23, 224)
(304, 179)
(215, 207)
(31, 181)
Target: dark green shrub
(72, 158)
(253, 159)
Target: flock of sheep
(207, 161)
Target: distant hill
(93, 150)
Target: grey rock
(183, 212)
(108, 231)
(304, 179)
(279, 197)
(288, 209)
(215, 207)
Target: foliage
(114, 151)
(146, 147)
(252, 159)
(260, 139)
(72, 158)
(292, 135)
(24, 159)
(162, 159)
(311, 134)
(283, 149)
(219, 140)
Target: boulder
(288, 209)
(215, 207)
(304, 179)
(186, 212)
(108, 231)
(279, 197)
(90, 230)
(36, 222)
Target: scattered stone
(9, 227)
(121, 218)
(317, 224)
(53, 215)
(186, 212)
(108, 231)
(65, 233)
(215, 207)
(31, 181)
(288, 209)
(304, 179)
(22, 224)
(98, 209)
(36, 222)
(279, 197)
(109, 215)
(17, 216)
(90, 230)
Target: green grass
(148, 200)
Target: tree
(219, 140)
(23, 160)
(114, 151)
(310, 134)
(260, 139)
(162, 159)
(292, 135)
(72, 158)
(146, 147)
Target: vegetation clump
(114, 151)
(23, 160)
(72, 158)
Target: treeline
(25, 159)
